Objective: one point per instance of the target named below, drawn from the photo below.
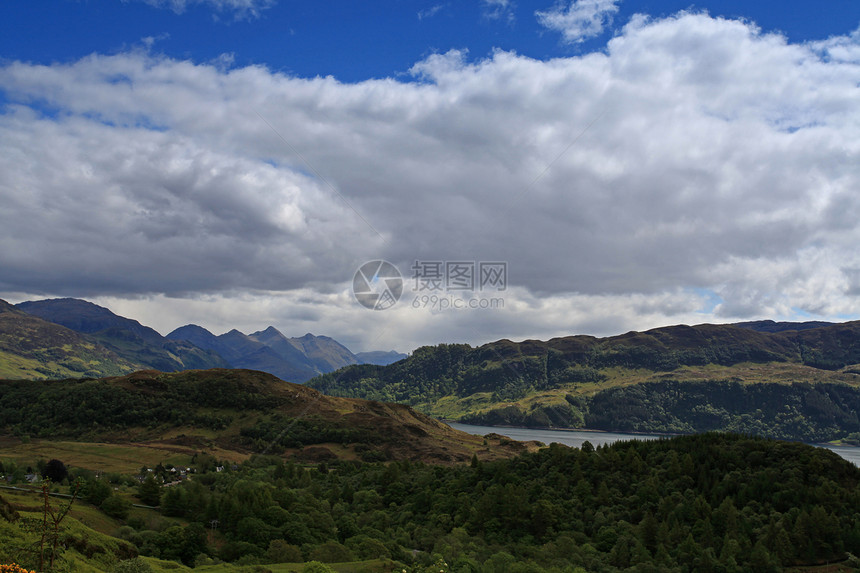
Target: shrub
(96, 491)
(331, 552)
(13, 568)
(136, 565)
(282, 552)
(116, 506)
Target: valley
(237, 470)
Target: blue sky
(633, 163)
(354, 40)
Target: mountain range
(136, 343)
(59, 338)
(785, 380)
(290, 359)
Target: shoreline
(553, 429)
(632, 433)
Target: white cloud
(580, 20)
(241, 8)
(224, 61)
(718, 160)
(149, 41)
(499, 10)
(430, 12)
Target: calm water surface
(575, 438)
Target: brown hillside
(257, 413)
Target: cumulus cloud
(141, 210)
(695, 159)
(579, 20)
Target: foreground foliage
(13, 568)
(710, 502)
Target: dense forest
(80, 407)
(711, 502)
(806, 412)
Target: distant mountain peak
(192, 333)
(193, 328)
(84, 316)
(271, 333)
(67, 303)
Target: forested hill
(691, 504)
(560, 382)
(240, 411)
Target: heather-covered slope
(37, 349)
(236, 410)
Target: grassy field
(86, 514)
(100, 457)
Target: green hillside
(37, 349)
(79, 545)
(670, 376)
(710, 502)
